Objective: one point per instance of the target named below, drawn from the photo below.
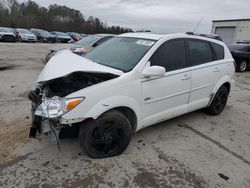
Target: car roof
(143, 35)
(104, 35)
(239, 44)
(157, 37)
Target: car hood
(6, 33)
(56, 48)
(66, 62)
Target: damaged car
(130, 82)
(82, 46)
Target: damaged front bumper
(46, 113)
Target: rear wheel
(107, 136)
(219, 102)
(242, 66)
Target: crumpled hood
(67, 62)
(56, 48)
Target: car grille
(7, 37)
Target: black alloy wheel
(107, 136)
(219, 102)
(242, 66)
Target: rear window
(239, 47)
(200, 52)
(219, 51)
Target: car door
(166, 97)
(206, 72)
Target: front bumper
(36, 120)
(42, 125)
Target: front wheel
(219, 102)
(107, 136)
(242, 66)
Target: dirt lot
(195, 150)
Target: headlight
(56, 106)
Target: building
(232, 30)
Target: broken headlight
(56, 106)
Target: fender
(115, 102)
(106, 105)
(223, 80)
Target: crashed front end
(58, 80)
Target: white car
(129, 82)
(24, 35)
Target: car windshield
(5, 29)
(121, 53)
(238, 47)
(43, 32)
(61, 34)
(87, 41)
(76, 34)
(24, 31)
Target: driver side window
(171, 55)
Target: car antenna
(196, 27)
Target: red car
(75, 36)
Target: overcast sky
(160, 16)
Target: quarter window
(219, 51)
(170, 55)
(200, 52)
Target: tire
(219, 102)
(107, 136)
(248, 66)
(242, 66)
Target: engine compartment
(73, 82)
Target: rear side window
(170, 55)
(219, 51)
(200, 52)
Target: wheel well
(130, 115)
(127, 112)
(228, 86)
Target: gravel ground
(194, 150)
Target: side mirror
(154, 71)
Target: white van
(129, 82)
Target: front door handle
(186, 77)
(216, 69)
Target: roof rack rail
(212, 36)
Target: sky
(159, 16)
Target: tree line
(54, 18)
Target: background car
(7, 34)
(82, 46)
(60, 36)
(91, 42)
(43, 36)
(24, 35)
(74, 36)
(241, 55)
